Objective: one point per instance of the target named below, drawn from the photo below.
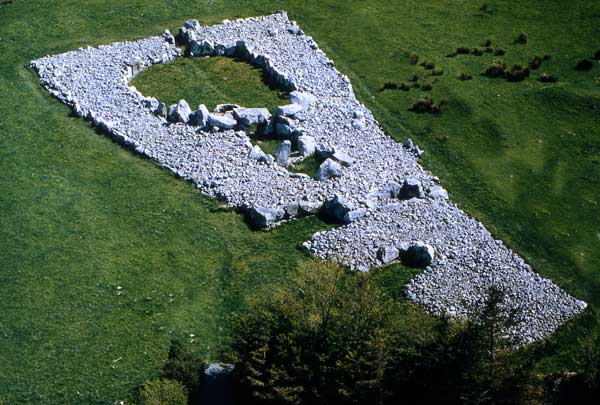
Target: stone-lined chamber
(392, 209)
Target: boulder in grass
(261, 217)
(418, 255)
(329, 169)
(179, 112)
(225, 121)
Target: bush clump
(535, 63)
(413, 58)
(185, 367)
(547, 56)
(517, 73)
(584, 65)
(522, 38)
(499, 52)
(477, 52)
(463, 50)
(163, 392)
(597, 55)
(425, 105)
(389, 86)
(437, 72)
(487, 43)
(465, 76)
(495, 69)
(428, 65)
(547, 78)
(426, 87)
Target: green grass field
(81, 216)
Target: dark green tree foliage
(337, 338)
(185, 367)
(324, 340)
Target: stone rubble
(386, 200)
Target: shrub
(547, 56)
(163, 392)
(495, 69)
(584, 65)
(547, 78)
(522, 38)
(463, 50)
(389, 86)
(184, 367)
(403, 86)
(499, 52)
(428, 65)
(487, 43)
(535, 63)
(425, 105)
(517, 73)
(413, 58)
(465, 76)
(414, 78)
(597, 55)
(324, 339)
(477, 52)
(426, 87)
(437, 72)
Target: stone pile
(391, 208)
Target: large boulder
(308, 207)
(289, 110)
(224, 121)
(161, 110)
(303, 99)
(418, 255)
(251, 116)
(262, 217)
(200, 116)
(200, 48)
(335, 153)
(411, 188)
(329, 169)
(282, 154)
(191, 24)
(284, 127)
(337, 207)
(306, 145)
(179, 112)
(256, 153)
(438, 192)
(387, 254)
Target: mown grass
(81, 216)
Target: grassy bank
(82, 217)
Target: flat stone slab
(94, 82)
